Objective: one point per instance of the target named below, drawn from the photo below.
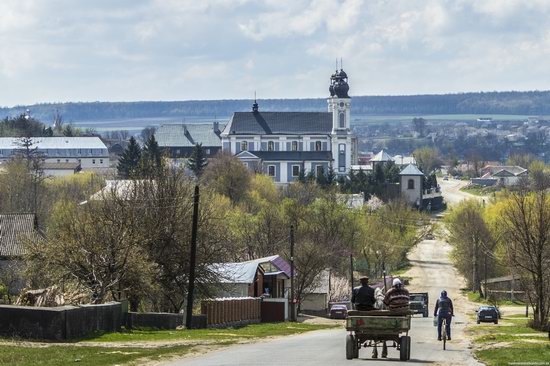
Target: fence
(59, 323)
(231, 311)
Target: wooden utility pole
(292, 303)
(351, 270)
(192, 259)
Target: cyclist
(444, 310)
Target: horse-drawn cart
(373, 328)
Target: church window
(342, 148)
(319, 170)
(271, 170)
(244, 145)
(270, 146)
(410, 184)
(318, 145)
(294, 145)
(342, 121)
(295, 170)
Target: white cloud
(188, 49)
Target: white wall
(411, 195)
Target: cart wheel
(404, 345)
(350, 347)
(496, 321)
(408, 347)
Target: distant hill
(525, 103)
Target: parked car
(418, 303)
(487, 313)
(338, 311)
(445, 178)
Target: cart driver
(363, 296)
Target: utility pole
(485, 279)
(292, 303)
(192, 259)
(351, 270)
(384, 273)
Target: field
(358, 120)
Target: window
(244, 145)
(66, 160)
(342, 148)
(207, 151)
(294, 145)
(410, 184)
(270, 146)
(100, 161)
(318, 145)
(271, 170)
(59, 160)
(295, 170)
(93, 161)
(319, 170)
(342, 169)
(342, 120)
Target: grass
(252, 331)
(54, 355)
(476, 297)
(512, 341)
(475, 190)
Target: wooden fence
(228, 311)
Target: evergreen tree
(321, 178)
(128, 164)
(302, 176)
(151, 158)
(310, 176)
(197, 161)
(331, 176)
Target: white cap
(396, 281)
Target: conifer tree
(128, 164)
(151, 158)
(197, 161)
(331, 176)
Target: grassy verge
(55, 355)
(510, 342)
(249, 332)
(475, 297)
(475, 190)
(146, 345)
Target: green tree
(151, 158)
(226, 175)
(197, 161)
(128, 165)
(427, 159)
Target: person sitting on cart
(444, 310)
(363, 296)
(397, 298)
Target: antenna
(341, 65)
(336, 63)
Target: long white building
(89, 152)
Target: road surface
(433, 272)
(450, 189)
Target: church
(283, 145)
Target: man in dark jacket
(444, 310)
(363, 296)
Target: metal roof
(411, 170)
(292, 155)
(14, 228)
(244, 272)
(55, 143)
(188, 135)
(382, 156)
(279, 123)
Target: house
(504, 175)
(178, 140)
(89, 152)
(61, 169)
(267, 277)
(316, 299)
(411, 182)
(120, 188)
(14, 230)
(284, 144)
(381, 158)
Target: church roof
(290, 155)
(381, 156)
(411, 170)
(279, 123)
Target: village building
(503, 175)
(90, 152)
(179, 140)
(284, 145)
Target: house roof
(381, 156)
(288, 155)
(279, 123)
(14, 228)
(512, 169)
(244, 272)
(189, 134)
(121, 188)
(403, 160)
(411, 170)
(55, 143)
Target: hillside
(525, 103)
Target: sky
(131, 50)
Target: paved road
(432, 271)
(450, 189)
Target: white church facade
(284, 145)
